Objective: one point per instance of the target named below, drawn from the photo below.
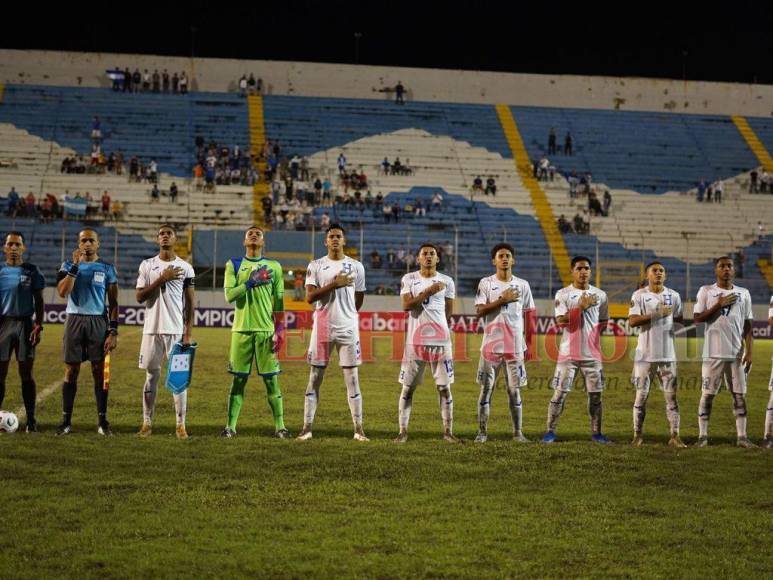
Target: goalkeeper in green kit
(254, 285)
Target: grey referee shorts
(15, 337)
(84, 338)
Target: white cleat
(360, 436)
(745, 443)
(702, 442)
(520, 438)
(304, 435)
(482, 437)
(676, 442)
(402, 437)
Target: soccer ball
(8, 422)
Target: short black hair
(15, 233)
(167, 227)
(581, 259)
(716, 262)
(335, 226)
(502, 246)
(648, 266)
(260, 229)
(428, 245)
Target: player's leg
(3, 375)
(240, 366)
(442, 364)
(268, 368)
(486, 378)
(515, 379)
(73, 356)
(711, 381)
(25, 355)
(768, 442)
(318, 357)
(7, 340)
(411, 375)
(737, 388)
(350, 357)
(563, 379)
(151, 354)
(594, 384)
(668, 382)
(641, 379)
(180, 399)
(97, 333)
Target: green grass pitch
(85, 506)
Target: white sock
(516, 408)
(446, 407)
(352, 380)
(316, 374)
(149, 391)
(769, 418)
(640, 410)
(739, 410)
(404, 407)
(484, 404)
(672, 411)
(181, 406)
(704, 413)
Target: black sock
(28, 393)
(2, 393)
(100, 394)
(68, 400)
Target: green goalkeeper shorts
(246, 346)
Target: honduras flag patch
(179, 369)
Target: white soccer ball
(9, 422)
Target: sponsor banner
(370, 321)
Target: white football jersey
(723, 338)
(427, 324)
(575, 342)
(770, 315)
(656, 339)
(164, 310)
(503, 331)
(337, 307)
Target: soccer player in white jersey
(335, 284)
(428, 298)
(654, 309)
(165, 285)
(505, 303)
(583, 312)
(768, 442)
(726, 310)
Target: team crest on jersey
(667, 300)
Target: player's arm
(507, 296)
(189, 297)
(711, 313)
(67, 275)
(748, 341)
(411, 302)
(449, 303)
(169, 274)
(232, 290)
(315, 293)
(37, 328)
(359, 298)
(112, 309)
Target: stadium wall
(351, 81)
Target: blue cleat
(599, 438)
(549, 437)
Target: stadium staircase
(257, 143)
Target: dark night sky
(664, 40)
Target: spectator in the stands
(136, 80)
(579, 224)
(379, 200)
(259, 86)
(718, 190)
(105, 205)
(305, 168)
(401, 252)
(375, 260)
(341, 164)
(127, 80)
(607, 201)
(387, 212)
(295, 165)
(399, 92)
(437, 201)
(249, 84)
(764, 180)
(573, 183)
(183, 83)
(380, 290)
(542, 170)
(30, 205)
(418, 208)
(568, 149)
(327, 189)
(96, 129)
(145, 81)
(552, 141)
(13, 202)
(156, 81)
(397, 166)
(753, 181)
(117, 210)
(701, 190)
(155, 193)
(391, 258)
(594, 206)
(491, 186)
(243, 86)
(385, 166)
(709, 192)
(477, 184)
(165, 81)
(173, 191)
(448, 251)
(175, 83)
(153, 171)
(324, 221)
(563, 225)
(552, 172)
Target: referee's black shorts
(84, 338)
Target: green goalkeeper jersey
(254, 307)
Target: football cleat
(638, 440)
(228, 433)
(451, 438)
(64, 429)
(676, 442)
(402, 437)
(482, 437)
(549, 437)
(305, 434)
(600, 438)
(745, 443)
(283, 434)
(32, 427)
(104, 429)
(181, 432)
(145, 430)
(767, 443)
(519, 437)
(702, 442)
(360, 436)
